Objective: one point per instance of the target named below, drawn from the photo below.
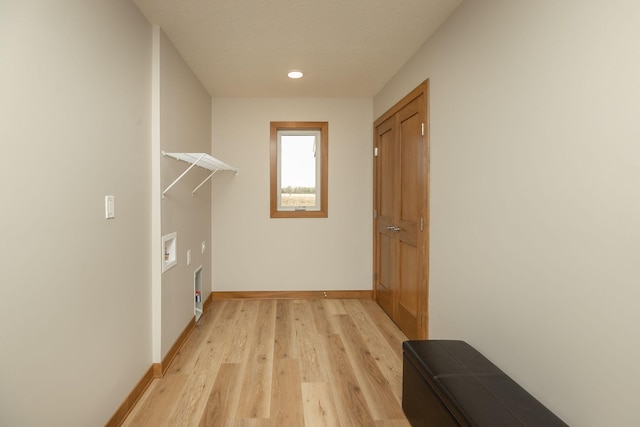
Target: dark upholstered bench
(450, 384)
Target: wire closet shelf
(203, 160)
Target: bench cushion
(468, 388)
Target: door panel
(386, 201)
(407, 308)
(386, 274)
(400, 200)
(411, 160)
(410, 146)
(386, 175)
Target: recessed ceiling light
(295, 74)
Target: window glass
(298, 169)
(299, 157)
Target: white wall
(252, 252)
(185, 126)
(74, 288)
(535, 208)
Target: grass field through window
(287, 199)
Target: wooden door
(385, 213)
(400, 211)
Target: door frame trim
(422, 88)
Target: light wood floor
(285, 363)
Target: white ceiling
(346, 48)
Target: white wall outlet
(204, 246)
(189, 257)
(109, 207)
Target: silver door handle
(393, 228)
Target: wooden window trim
(324, 156)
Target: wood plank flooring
(285, 363)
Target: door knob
(393, 228)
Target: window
(299, 153)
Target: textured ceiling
(346, 48)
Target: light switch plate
(109, 207)
(204, 246)
(189, 257)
